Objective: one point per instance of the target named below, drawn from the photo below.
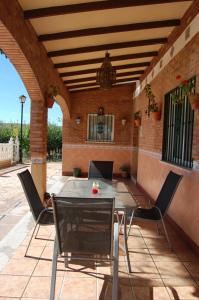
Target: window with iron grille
(100, 128)
(178, 130)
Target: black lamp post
(22, 100)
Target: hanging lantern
(106, 75)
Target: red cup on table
(94, 190)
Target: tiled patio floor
(157, 273)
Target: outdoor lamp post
(22, 100)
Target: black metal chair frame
(36, 206)
(58, 250)
(100, 169)
(161, 214)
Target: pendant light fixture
(106, 75)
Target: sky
(11, 87)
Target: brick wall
(116, 101)
(151, 171)
(186, 63)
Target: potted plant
(125, 169)
(52, 92)
(153, 108)
(137, 118)
(76, 172)
(187, 90)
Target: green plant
(125, 168)
(52, 91)
(185, 88)
(152, 105)
(137, 115)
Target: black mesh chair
(85, 230)
(158, 211)
(42, 215)
(100, 169)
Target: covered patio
(153, 47)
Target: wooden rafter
(92, 78)
(88, 71)
(78, 86)
(108, 46)
(108, 29)
(91, 6)
(112, 58)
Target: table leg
(126, 245)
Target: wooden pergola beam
(108, 46)
(91, 6)
(100, 59)
(108, 29)
(88, 71)
(78, 86)
(91, 78)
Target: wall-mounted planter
(137, 122)
(156, 115)
(194, 101)
(49, 102)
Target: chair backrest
(167, 191)
(100, 169)
(84, 225)
(31, 193)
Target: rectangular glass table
(82, 188)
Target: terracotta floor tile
(156, 242)
(141, 281)
(47, 252)
(171, 269)
(144, 269)
(104, 289)
(183, 292)
(44, 268)
(136, 242)
(179, 281)
(76, 289)
(163, 255)
(150, 293)
(32, 251)
(22, 266)
(39, 287)
(141, 254)
(193, 269)
(12, 286)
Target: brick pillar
(38, 145)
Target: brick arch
(23, 67)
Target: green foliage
(8, 130)
(54, 137)
(152, 106)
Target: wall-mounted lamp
(78, 120)
(124, 120)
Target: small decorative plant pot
(156, 115)
(76, 172)
(49, 102)
(194, 101)
(137, 122)
(124, 174)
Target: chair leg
(166, 234)
(130, 223)
(115, 262)
(31, 239)
(158, 229)
(54, 269)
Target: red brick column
(38, 144)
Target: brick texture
(116, 101)
(186, 63)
